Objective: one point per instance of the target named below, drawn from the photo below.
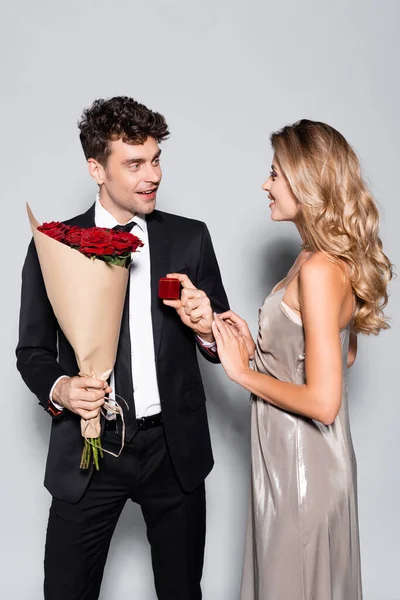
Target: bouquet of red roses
(87, 297)
(112, 246)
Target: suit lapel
(160, 262)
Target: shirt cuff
(58, 407)
(209, 346)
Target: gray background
(225, 73)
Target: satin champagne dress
(302, 538)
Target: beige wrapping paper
(87, 296)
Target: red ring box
(169, 288)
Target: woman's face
(284, 206)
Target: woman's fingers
(234, 324)
(217, 326)
(226, 331)
(217, 334)
(234, 319)
(234, 331)
(219, 330)
(226, 328)
(229, 314)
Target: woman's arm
(321, 295)
(352, 354)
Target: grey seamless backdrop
(225, 74)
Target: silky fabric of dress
(302, 538)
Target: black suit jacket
(177, 244)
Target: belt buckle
(142, 423)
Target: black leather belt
(142, 424)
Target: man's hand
(194, 308)
(83, 396)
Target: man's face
(130, 179)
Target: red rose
(47, 226)
(136, 244)
(73, 236)
(125, 242)
(97, 241)
(54, 229)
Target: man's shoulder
(177, 220)
(85, 219)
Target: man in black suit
(167, 452)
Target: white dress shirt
(145, 387)
(144, 377)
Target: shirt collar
(103, 218)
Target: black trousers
(79, 535)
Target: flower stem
(92, 449)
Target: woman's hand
(231, 347)
(242, 328)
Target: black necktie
(128, 227)
(123, 364)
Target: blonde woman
(302, 538)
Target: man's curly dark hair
(117, 118)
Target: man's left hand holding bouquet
(83, 396)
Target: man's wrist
(54, 395)
(208, 347)
(206, 338)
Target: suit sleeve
(209, 280)
(37, 346)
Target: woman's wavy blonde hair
(339, 216)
